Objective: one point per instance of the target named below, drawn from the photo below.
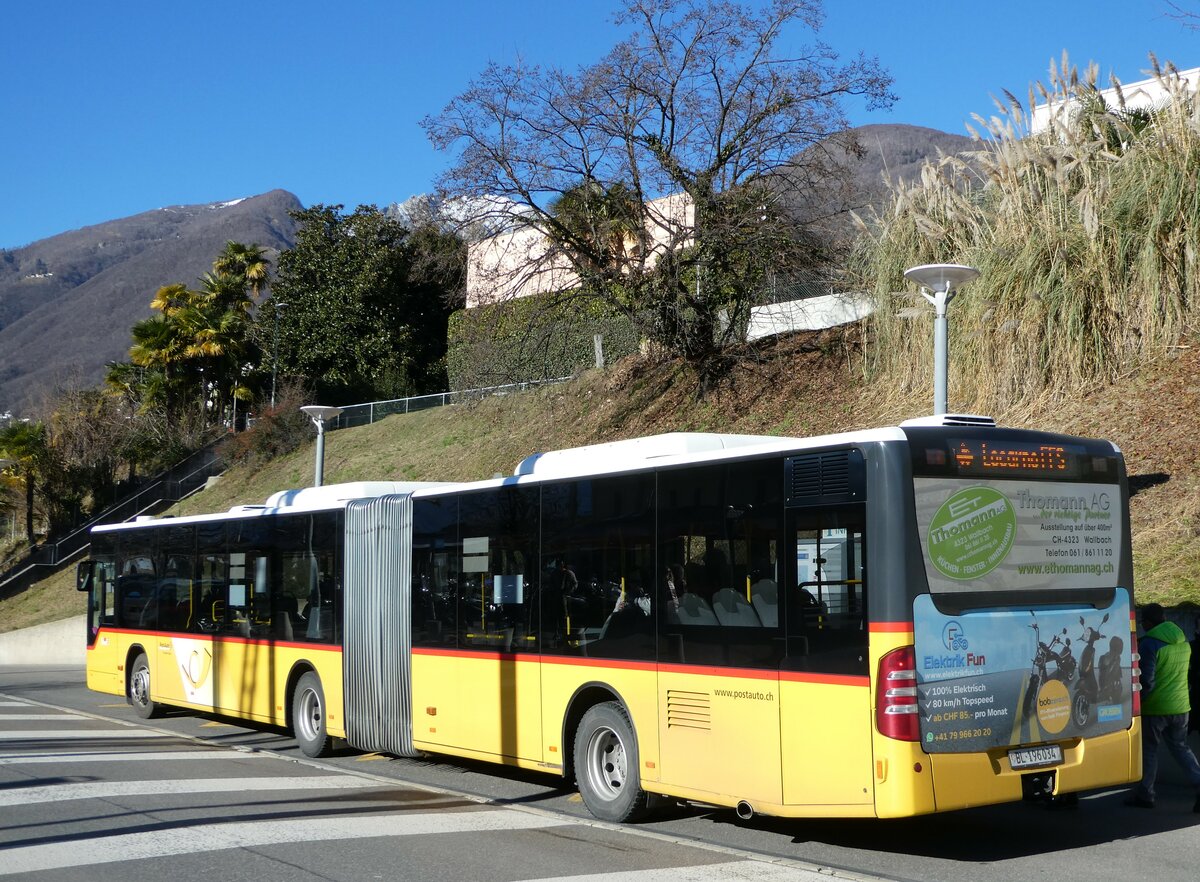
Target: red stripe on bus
(493, 654)
(699, 670)
(218, 638)
(712, 671)
(891, 627)
(827, 679)
(532, 657)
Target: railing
(167, 488)
(365, 414)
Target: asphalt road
(85, 782)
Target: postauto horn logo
(972, 533)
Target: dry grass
(50, 600)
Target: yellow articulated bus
(876, 624)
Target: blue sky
(117, 108)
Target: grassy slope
(808, 385)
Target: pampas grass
(1085, 235)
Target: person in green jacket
(1165, 657)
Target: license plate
(1034, 757)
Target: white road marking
(752, 871)
(57, 734)
(16, 796)
(4, 718)
(14, 704)
(20, 759)
(238, 834)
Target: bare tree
(654, 178)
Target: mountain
(67, 302)
(827, 183)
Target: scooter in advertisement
(1087, 690)
(1056, 651)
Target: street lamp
(278, 305)
(319, 414)
(938, 281)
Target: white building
(1143, 94)
(519, 262)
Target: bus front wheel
(606, 764)
(139, 689)
(308, 717)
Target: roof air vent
(952, 419)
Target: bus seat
(283, 611)
(764, 595)
(694, 610)
(733, 609)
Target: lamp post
(938, 282)
(278, 305)
(319, 414)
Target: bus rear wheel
(139, 689)
(606, 764)
(308, 717)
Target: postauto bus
(881, 623)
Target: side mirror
(83, 576)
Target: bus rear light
(1135, 672)
(896, 696)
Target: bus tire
(138, 693)
(308, 717)
(607, 766)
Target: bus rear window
(1007, 536)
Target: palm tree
(219, 329)
(201, 336)
(603, 223)
(159, 346)
(27, 445)
(246, 262)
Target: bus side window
(136, 587)
(826, 606)
(106, 593)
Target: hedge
(532, 338)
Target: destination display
(999, 458)
(1010, 534)
(978, 688)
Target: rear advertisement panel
(1065, 674)
(1001, 535)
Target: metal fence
(365, 414)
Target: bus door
(719, 535)
(825, 706)
(99, 578)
